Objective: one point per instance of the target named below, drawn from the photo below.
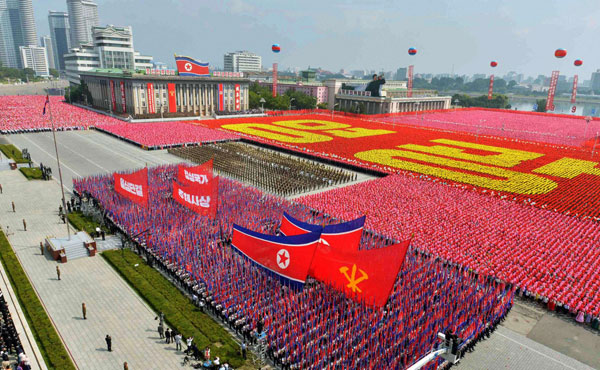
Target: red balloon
(494, 63)
(578, 62)
(560, 53)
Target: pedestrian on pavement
(41, 248)
(189, 344)
(108, 340)
(0, 188)
(161, 317)
(168, 336)
(84, 310)
(244, 349)
(24, 225)
(178, 342)
(58, 271)
(125, 366)
(161, 331)
(13, 207)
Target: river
(562, 107)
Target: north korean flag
(366, 276)
(287, 257)
(187, 66)
(344, 236)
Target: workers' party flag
(288, 257)
(366, 276)
(201, 199)
(344, 236)
(133, 186)
(199, 175)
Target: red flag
(201, 199)
(286, 256)
(172, 98)
(198, 175)
(133, 186)
(367, 276)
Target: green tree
(541, 105)
(301, 100)
(54, 72)
(79, 94)
(322, 105)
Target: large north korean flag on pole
(187, 66)
(344, 236)
(133, 186)
(201, 199)
(287, 257)
(367, 276)
(198, 175)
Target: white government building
(242, 61)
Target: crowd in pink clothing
(24, 113)
(554, 129)
(543, 252)
(166, 134)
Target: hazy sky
(359, 34)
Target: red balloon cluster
(493, 64)
(560, 53)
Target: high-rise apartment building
(242, 61)
(595, 82)
(46, 43)
(35, 57)
(60, 35)
(401, 74)
(83, 15)
(111, 48)
(17, 28)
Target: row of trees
(22, 75)
(497, 101)
(291, 98)
(78, 94)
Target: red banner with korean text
(491, 88)
(123, 100)
(221, 98)
(201, 199)
(113, 98)
(198, 175)
(410, 81)
(133, 186)
(552, 90)
(367, 276)
(274, 79)
(151, 107)
(172, 98)
(237, 97)
(574, 91)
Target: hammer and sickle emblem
(353, 281)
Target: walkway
(112, 306)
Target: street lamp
(262, 104)
(332, 109)
(291, 100)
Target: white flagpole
(62, 189)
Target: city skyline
(458, 36)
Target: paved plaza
(530, 338)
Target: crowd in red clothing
(543, 252)
(155, 135)
(24, 113)
(544, 128)
(316, 327)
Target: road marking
(536, 351)
(85, 158)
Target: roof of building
(141, 75)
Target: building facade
(242, 61)
(315, 89)
(35, 57)
(17, 28)
(395, 101)
(595, 81)
(83, 15)
(111, 48)
(155, 96)
(60, 35)
(46, 43)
